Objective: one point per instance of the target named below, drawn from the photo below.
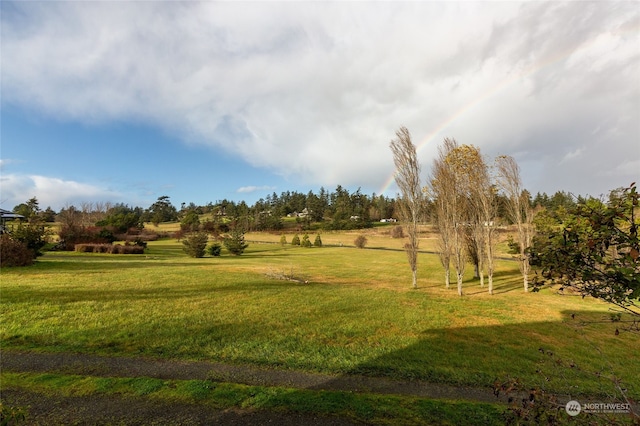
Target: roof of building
(6, 214)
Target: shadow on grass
(452, 364)
(503, 282)
(499, 286)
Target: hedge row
(109, 248)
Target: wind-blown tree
(441, 190)
(407, 177)
(518, 209)
(482, 210)
(464, 210)
(448, 188)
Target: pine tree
(195, 244)
(235, 242)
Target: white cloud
(4, 163)
(315, 91)
(572, 155)
(248, 189)
(50, 191)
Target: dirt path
(94, 365)
(112, 409)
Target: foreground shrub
(305, 241)
(318, 241)
(295, 241)
(195, 244)
(214, 250)
(14, 253)
(283, 240)
(360, 241)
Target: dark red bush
(14, 253)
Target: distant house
(390, 220)
(304, 213)
(7, 216)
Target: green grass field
(352, 313)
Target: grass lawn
(356, 314)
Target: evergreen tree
(195, 244)
(214, 249)
(190, 221)
(318, 241)
(235, 242)
(162, 211)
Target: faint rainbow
(498, 87)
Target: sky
(124, 102)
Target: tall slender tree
(441, 190)
(407, 178)
(482, 211)
(518, 209)
(449, 184)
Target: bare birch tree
(465, 209)
(446, 187)
(518, 209)
(441, 189)
(407, 177)
(482, 212)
